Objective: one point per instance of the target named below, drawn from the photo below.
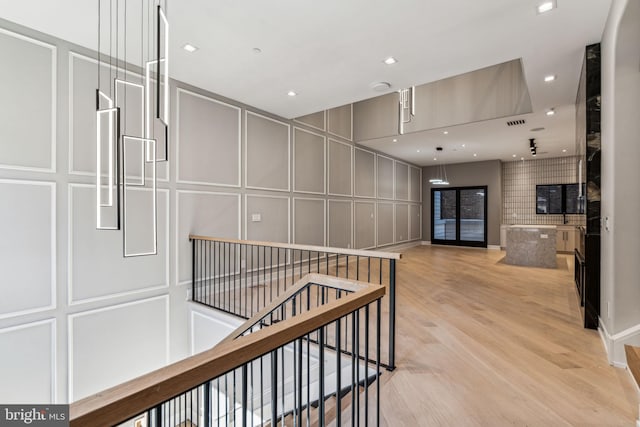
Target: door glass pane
(444, 215)
(472, 214)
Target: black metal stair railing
(275, 369)
(242, 277)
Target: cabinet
(565, 239)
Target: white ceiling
(330, 51)
(488, 140)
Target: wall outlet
(256, 217)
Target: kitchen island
(531, 245)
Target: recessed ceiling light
(513, 155)
(446, 132)
(395, 140)
(390, 60)
(549, 78)
(564, 150)
(546, 6)
(189, 48)
(475, 155)
(550, 112)
(464, 145)
(435, 158)
(291, 93)
(417, 151)
(521, 158)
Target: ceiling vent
(515, 122)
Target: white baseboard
(426, 243)
(494, 247)
(614, 344)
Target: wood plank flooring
(483, 343)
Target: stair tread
(633, 361)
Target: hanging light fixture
(440, 177)
(126, 149)
(406, 107)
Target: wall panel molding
(401, 179)
(415, 184)
(371, 174)
(23, 250)
(141, 366)
(401, 222)
(350, 233)
(296, 238)
(337, 172)
(179, 92)
(336, 132)
(385, 177)
(385, 214)
(263, 196)
(22, 387)
(133, 264)
(415, 222)
(310, 165)
(51, 167)
(365, 227)
(274, 167)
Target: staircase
(310, 357)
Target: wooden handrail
(123, 402)
(320, 279)
(340, 251)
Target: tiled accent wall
(519, 180)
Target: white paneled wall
(75, 315)
(28, 88)
(134, 335)
(28, 363)
(28, 230)
(97, 270)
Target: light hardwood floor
(482, 343)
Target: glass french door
(458, 216)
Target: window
(559, 199)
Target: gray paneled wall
(340, 223)
(340, 174)
(267, 153)
(306, 212)
(208, 140)
(90, 318)
(309, 162)
(385, 178)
